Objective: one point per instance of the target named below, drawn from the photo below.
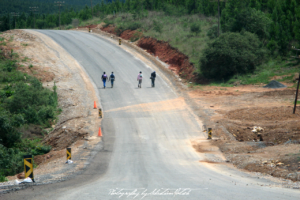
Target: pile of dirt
(109, 29)
(131, 35)
(179, 63)
(279, 124)
(274, 84)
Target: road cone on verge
(95, 106)
(99, 132)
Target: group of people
(111, 79)
(139, 79)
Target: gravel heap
(274, 84)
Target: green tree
(195, 28)
(230, 54)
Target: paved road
(147, 133)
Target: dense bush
(36, 103)
(195, 28)
(157, 26)
(251, 20)
(23, 101)
(9, 135)
(230, 54)
(212, 33)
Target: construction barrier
(100, 112)
(209, 131)
(120, 41)
(89, 30)
(28, 167)
(69, 157)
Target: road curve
(147, 133)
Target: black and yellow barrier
(28, 167)
(120, 41)
(69, 154)
(209, 131)
(89, 30)
(100, 113)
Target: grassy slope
(176, 31)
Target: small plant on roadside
(195, 28)
(25, 59)
(24, 44)
(69, 27)
(136, 36)
(157, 26)
(30, 66)
(3, 178)
(11, 38)
(213, 31)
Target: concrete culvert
(274, 84)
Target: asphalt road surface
(147, 131)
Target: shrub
(250, 20)
(157, 26)
(135, 36)
(133, 26)
(69, 27)
(36, 103)
(230, 54)
(9, 135)
(212, 33)
(195, 28)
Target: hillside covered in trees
(45, 6)
(260, 29)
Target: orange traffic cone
(95, 106)
(99, 133)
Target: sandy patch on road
(161, 106)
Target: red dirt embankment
(109, 29)
(179, 63)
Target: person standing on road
(112, 79)
(104, 77)
(153, 76)
(140, 78)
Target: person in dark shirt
(153, 76)
(104, 77)
(112, 79)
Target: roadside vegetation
(24, 102)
